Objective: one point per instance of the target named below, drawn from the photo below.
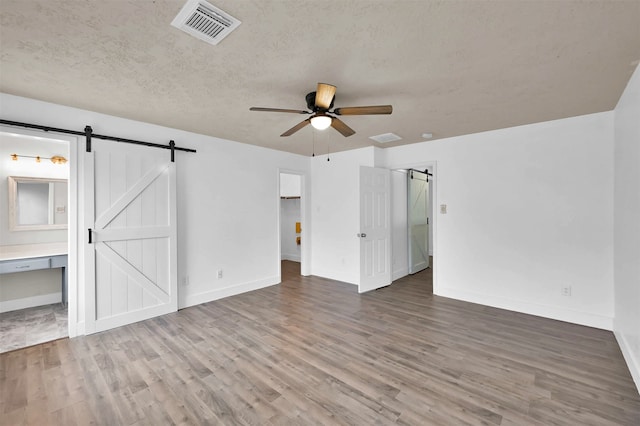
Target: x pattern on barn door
(131, 273)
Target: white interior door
(418, 220)
(131, 211)
(375, 228)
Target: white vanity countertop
(25, 251)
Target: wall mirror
(37, 203)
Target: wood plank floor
(313, 351)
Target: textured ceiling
(447, 67)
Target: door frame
(305, 223)
(75, 310)
(433, 168)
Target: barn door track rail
(426, 172)
(88, 134)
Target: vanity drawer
(22, 265)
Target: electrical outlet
(566, 290)
(219, 273)
(185, 280)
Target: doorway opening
(418, 213)
(290, 214)
(38, 220)
(414, 195)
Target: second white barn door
(418, 220)
(131, 261)
(375, 228)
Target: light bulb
(57, 159)
(321, 122)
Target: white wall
(227, 199)
(28, 289)
(530, 209)
(336, 213)
(627, 224)
(228, 203)
(290, 185)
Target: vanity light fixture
(56, 159)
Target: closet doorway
(415, 223)
(290, 222)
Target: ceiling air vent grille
(385, 138)
(205, 21)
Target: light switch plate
(443, 209)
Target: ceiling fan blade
(296, 127)
(339, 125)
(294, 111)
(364, 110)
(324, 95)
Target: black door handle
(90, 241)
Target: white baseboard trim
(336, 276)
(399, 273)
(76, 329)
(220, 293)
(291, 257)
(130, 317)
(552, 312)
(421, 266)
(30, 302)
(630, 359)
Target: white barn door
(375, 228)
(131, 261)
(418, 221)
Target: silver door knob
(362, 235)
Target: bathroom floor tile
(27, 327)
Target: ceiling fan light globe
(321, 122)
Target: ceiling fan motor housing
(311, 102)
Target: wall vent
(385, 138)
(205, 21)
